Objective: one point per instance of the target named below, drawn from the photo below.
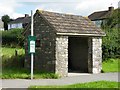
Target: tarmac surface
(71, 79)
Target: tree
(111, 43)
(113, 19)
(6, 20)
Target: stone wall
(95, 55)
(44, 58)
(62, 55)
(90, 55)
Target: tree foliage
(6, 20)
(113, 20)
(13, 37)
(111, 42)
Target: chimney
(26, 15)
(111, 8)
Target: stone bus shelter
(65, 43)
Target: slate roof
(99, 15)
(21, 20)
(66, 23)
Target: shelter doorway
(78, 54)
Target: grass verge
(111, 65)
(12, 66)
(97, 84)
(9, 52)
(21, 73)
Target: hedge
(12, 37)
(111, 43)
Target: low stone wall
(62, 55)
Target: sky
(18, 8)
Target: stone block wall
(44, 58)
(61, 55)
(95, 55)
(90, 55)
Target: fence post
(16, 53)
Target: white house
(1, 25)
(20, 22)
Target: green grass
(97, 84)
(111, 65)
(12, 66)
(9, 59)
(21, 73)
(9, 52)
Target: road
(71, 79)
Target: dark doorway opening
(78, 54)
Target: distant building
(1, 25)
(99, 17)
(119, 4)
(20, 22)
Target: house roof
(21, 20)
(71, 24)
(99, 15)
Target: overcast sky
(17, 8)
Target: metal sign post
(30, 47)
(31, 50)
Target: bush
(12, 37)
(12, 57)
(111, 44)
(14, 61)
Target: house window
(98, 23)
(38, 43)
